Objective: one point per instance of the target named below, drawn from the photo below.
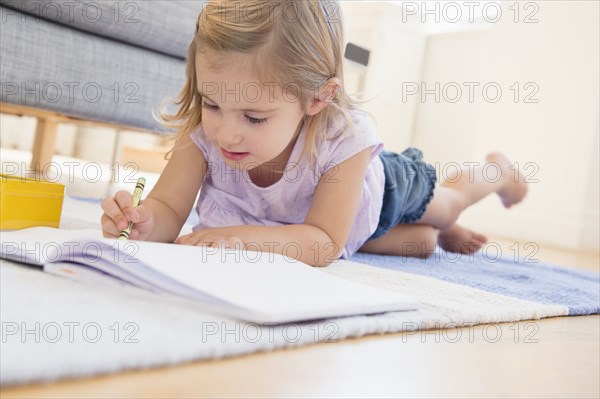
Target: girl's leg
(415, 240)
(450, 199)
(419, 240)
(469, 186)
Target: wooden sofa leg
(43, 144)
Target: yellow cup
(28, 202)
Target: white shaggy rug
(54, 328)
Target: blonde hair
(303, 41)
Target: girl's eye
(255, 120)
(209, 106)
(248, 118)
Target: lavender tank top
(229, 197)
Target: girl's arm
(172, 199)
(336, 201)
(321, 238)
(162, 214)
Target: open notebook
(251, 286)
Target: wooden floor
(550, 358)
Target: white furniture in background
(397, 51)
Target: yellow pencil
(137, 196)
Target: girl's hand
(215, 238)
(118, 212)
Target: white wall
(558, 135)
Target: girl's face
(250, 122)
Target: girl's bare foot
(457, 239)
(515, 187)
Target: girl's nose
(229, 135)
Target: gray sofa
(109, 61)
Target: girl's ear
(324, 96)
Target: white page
(86, 275)
(39, 245)
(46, 245)
(264, 287)
(274, 286)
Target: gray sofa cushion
(47, 65)
(164, 26)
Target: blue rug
(578, 290)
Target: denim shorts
(409, 185)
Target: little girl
(284, 160)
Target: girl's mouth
(234, 156)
